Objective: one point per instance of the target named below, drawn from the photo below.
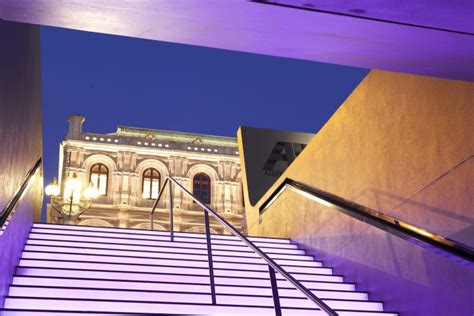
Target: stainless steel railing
(11, 205)
(272, 265)
(374, 218)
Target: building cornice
(182, 137)
(189, 151)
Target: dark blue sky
(118, 80)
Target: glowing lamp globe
(73, 188)
(91, 192)
(52, 189)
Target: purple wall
(409, 279)
(247, 26)
(20, 137)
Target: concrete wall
(20, 137)
(403, 145)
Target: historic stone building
(128, 168)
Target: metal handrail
(155, 205)
(11, 205)
(370, 216)
(272, 265)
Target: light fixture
(91, 192)
(52, 189)
(72, 203)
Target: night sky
(114, 80)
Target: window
(98, 177)
(151, 184)
(202, 187)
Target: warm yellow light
(73, 188)
(52, 189)
(91, 192)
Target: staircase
(77, 270)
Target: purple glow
(130, 280)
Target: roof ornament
(198, 141)
(150, 135)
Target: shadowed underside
(419, 38)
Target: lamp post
(73, 202)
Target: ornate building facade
(129, 167)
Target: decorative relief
(150, 135)
(198, 141)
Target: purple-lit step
(174, 256)
(168, 262)
(63, 246)
(144, 307)
(168, 297)
(154, 233)
(325, 274)
(136, 267)
(144, 238)
(18, 312)
(174, 278)
(151, 244)
(337, 291)
(156, 307)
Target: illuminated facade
(128, 168)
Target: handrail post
(151, 221)
(209, 258)
(275, 295)
(171, 212)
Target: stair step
(154, 277)
(111, 236)
(121, 307)
(155, 232)
(19, 312)
(156, 244)
(160, 271)
(173, 262)
(320, 274)
(152, 256)
(189, 297)
(61, 246)
(345, 291)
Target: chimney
(75, 126)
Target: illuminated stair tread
(345, 290)
(156, 250)
(154, 238)
(153, 233)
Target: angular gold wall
(403, 145)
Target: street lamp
(72, 204)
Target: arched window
(202, 187)
(99, 178)
(151, 183)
